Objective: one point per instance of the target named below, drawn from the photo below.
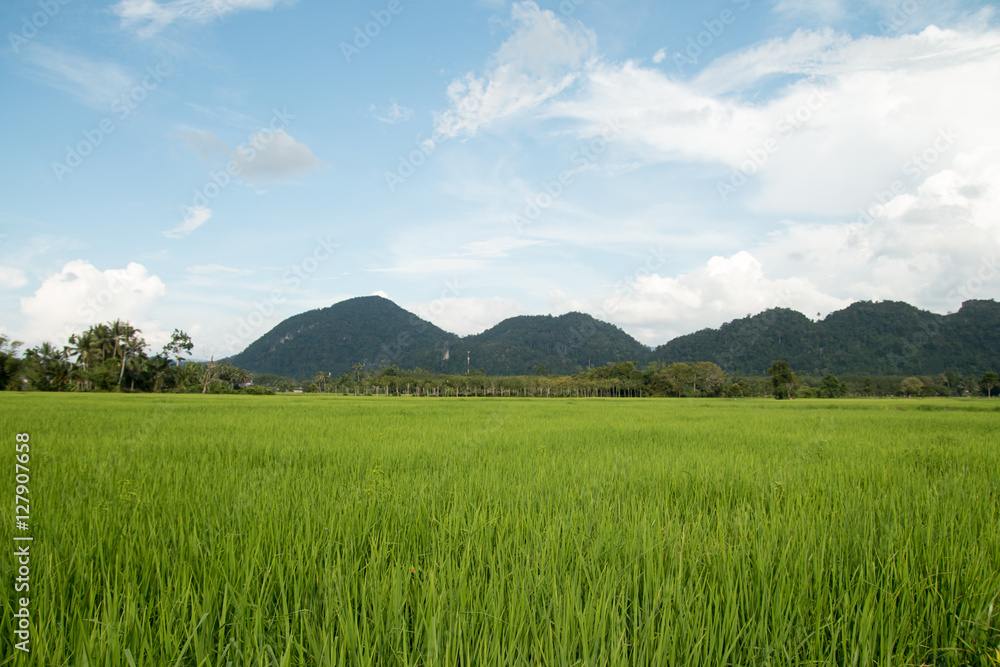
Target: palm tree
(83, 346)
(129, 343)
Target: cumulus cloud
(148, 17)
(541, 59)
(81, 295)
(656, 308)
(936, 249)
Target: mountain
(368, 330)
(563, 345)
(866, 338)
(376, 332)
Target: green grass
(318, 530)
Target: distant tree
(47, 367)
(10, 365)
(783, 379)
(912, 386)
(540, 370)
(708, 377)
(831, 387)
(989, 383)
(868, 389)
(322, 379)
(682, 375)
(739, 389)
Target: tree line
(625, 379)
(114, 357)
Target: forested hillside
(885, 338)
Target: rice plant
(324, 530)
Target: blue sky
(219, 165)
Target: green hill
(562, 345)
(866, 338)
(886, 338)
(369, 330)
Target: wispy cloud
(93, 82)
(148, 17)
(539, 61)
(194, 218)
(392, 114)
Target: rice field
(321, 530)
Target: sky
(216, 166)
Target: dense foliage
(114, 357)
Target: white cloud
(656, 308)
(923, 248)
(81, 295)
(392, 114)
(540, 60)
(12, 278)
(934, 249)
(149, 16)
(660, 56)
(854, 112)
(194, 217)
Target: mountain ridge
(886, 337)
